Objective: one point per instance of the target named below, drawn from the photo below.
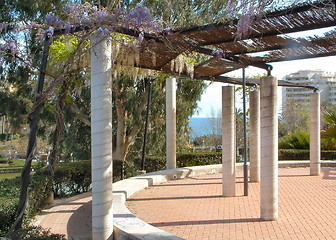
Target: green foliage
(72, 178)
(188, 92)
(300, 154)
(38, 192)
(198, 159)
(35, 233)
(294, 117)
(329, 133)
(9, 175)
(60, 51)
(297, 140)
(157, 163)
(293, 154)
(13, 165)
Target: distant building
(324, 81)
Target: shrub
(35, 233)
(157, 163)
(293, 154)
(297, 140)
(152, 163)
(197, 159)
(72, 178)
(299, 154)
(38, 191)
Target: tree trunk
(33, 119)
(59, 127)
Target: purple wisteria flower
(3, 26)
(52, 19)
(218, 53)
(141, 37)
(168, 30)
(12, 46)
(139, 16)
(67, 27)
(68, 8)
(50, 32)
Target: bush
(299, 154)
(35, 233)
(72, 178)
(152, 163)
(9, 196)
(297, 140)
(38, 191)
(197, 159)
(157, 163)
(5, 161)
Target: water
(199, 127)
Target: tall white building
(324, 81)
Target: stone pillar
(255, 136)
(228, 142)
(269, 148)
(315, 140)
(101, 139)
(171, 122)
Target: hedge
(296, 154)
(38, 192)
(72, 178)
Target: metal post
(245, 137)
(146, 126)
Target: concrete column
(171, 122)
(269, 148)
(101, 139)
(315, 140)
(228, 142)
(255, 136)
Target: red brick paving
(193, 208)
(71, 218)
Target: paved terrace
(193, 208)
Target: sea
(199, 127)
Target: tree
(293, 117)
(101, 21)
(329, 133)
(215, 123)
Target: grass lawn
(9, 175)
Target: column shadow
(206, 222)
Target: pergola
(267, 41)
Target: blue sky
(211, 99)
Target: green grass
(9, 175)
(15, 164)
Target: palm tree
(329, 134)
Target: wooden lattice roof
(267, 41)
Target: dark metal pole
(146, 126)
(245, 138)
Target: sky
(211, 100)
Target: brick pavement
(194, 209)
(71, 217)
